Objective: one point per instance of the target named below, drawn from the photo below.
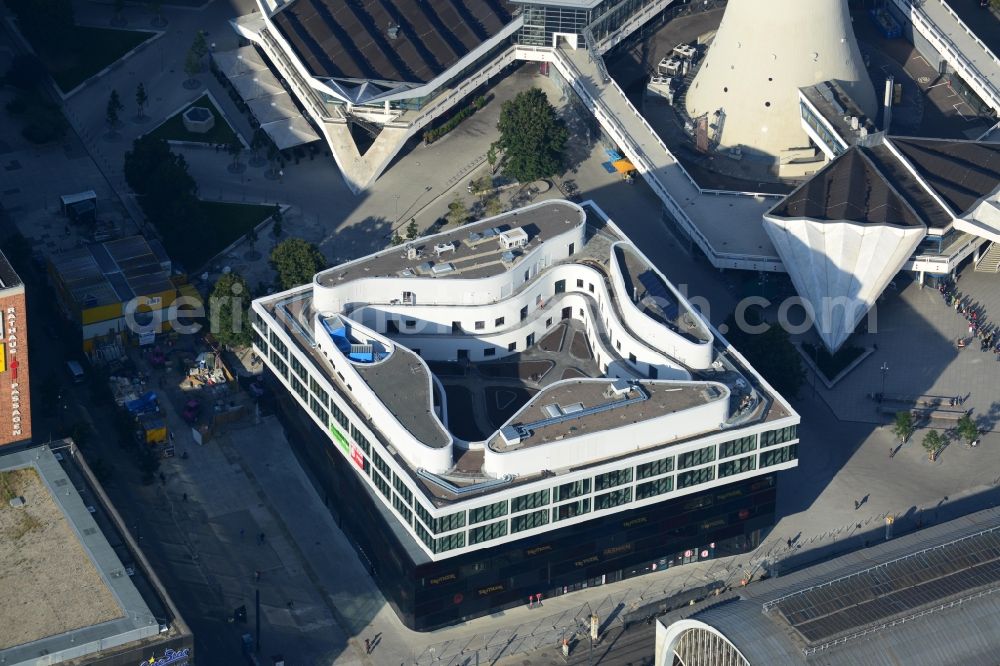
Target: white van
(75, 371)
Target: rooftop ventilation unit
(411, 251)
(514, 238)
(508, 258)
(575, 408)
(441, 248)
(619, 387)
(552, 410)
(441, 269)
(392, 31)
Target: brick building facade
(15, 398)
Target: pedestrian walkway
(728, 227)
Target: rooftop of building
(839, 109)
(388, 40)
(9, 279)
(70, 583)
(578, 407)
(113, 272)
(470, 251)
(870, 184)
(552, 371)
(849, 188)
(925, 598)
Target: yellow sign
(3, 357)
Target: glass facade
(541, 23)
(562, 558)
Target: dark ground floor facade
(426, 595)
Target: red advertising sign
(358, 457)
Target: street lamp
(884, 369)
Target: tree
(967, 429)
(903, 426)
(457, 212)
(141, 98)
(114, 108)
(229, 307)
(933, 443)
(235, 148)
(491, 157)
(532, 136)
(198, 46)
(296, 261)
(493, 206)
(192, 65)
(771, 353)
(396, 238)
(411, 229)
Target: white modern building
(762, 54)
(512, 389)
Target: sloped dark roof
(960, 172)
(351, 38)
(850, 188)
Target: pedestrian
(857, 504)
(788, 542)
(368, 646)
(185, 497)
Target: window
(572, 249)
(512, 346)
(529, 341)
(548, 322)
(456, 327)
(400, 486)
(487, 512)
(259, 341)
(318, 410)
(654, 488)
(340, 417)
(730, 467)
(572, 489)
(655, 468)
(631, 358)
(737, 446)
(571, 509)
(449, 542)
(381, 465)
(498, 321)
(611, 479)
(778, 456)
(410, 323)
(779, 436)
(524, 313)
(490, 351)
(480, 325)
(695, 476)
(298, 368)
(590, 287)
(560, 286)
(279, 364)
(526, 521)
(361, 440)
(382, 485)
(698, 457)
(487, 532)
(443, 524)
(300, 388)
(579, 284)
(618, 345)
(529, 501)
(318, 390)
(400, 506)
(277, 343)
(612, 499)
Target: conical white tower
(762, 54)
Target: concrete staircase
(989, 262)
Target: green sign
(340, 439)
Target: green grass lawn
(225, 223)
(173, 128)
(88, 52)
